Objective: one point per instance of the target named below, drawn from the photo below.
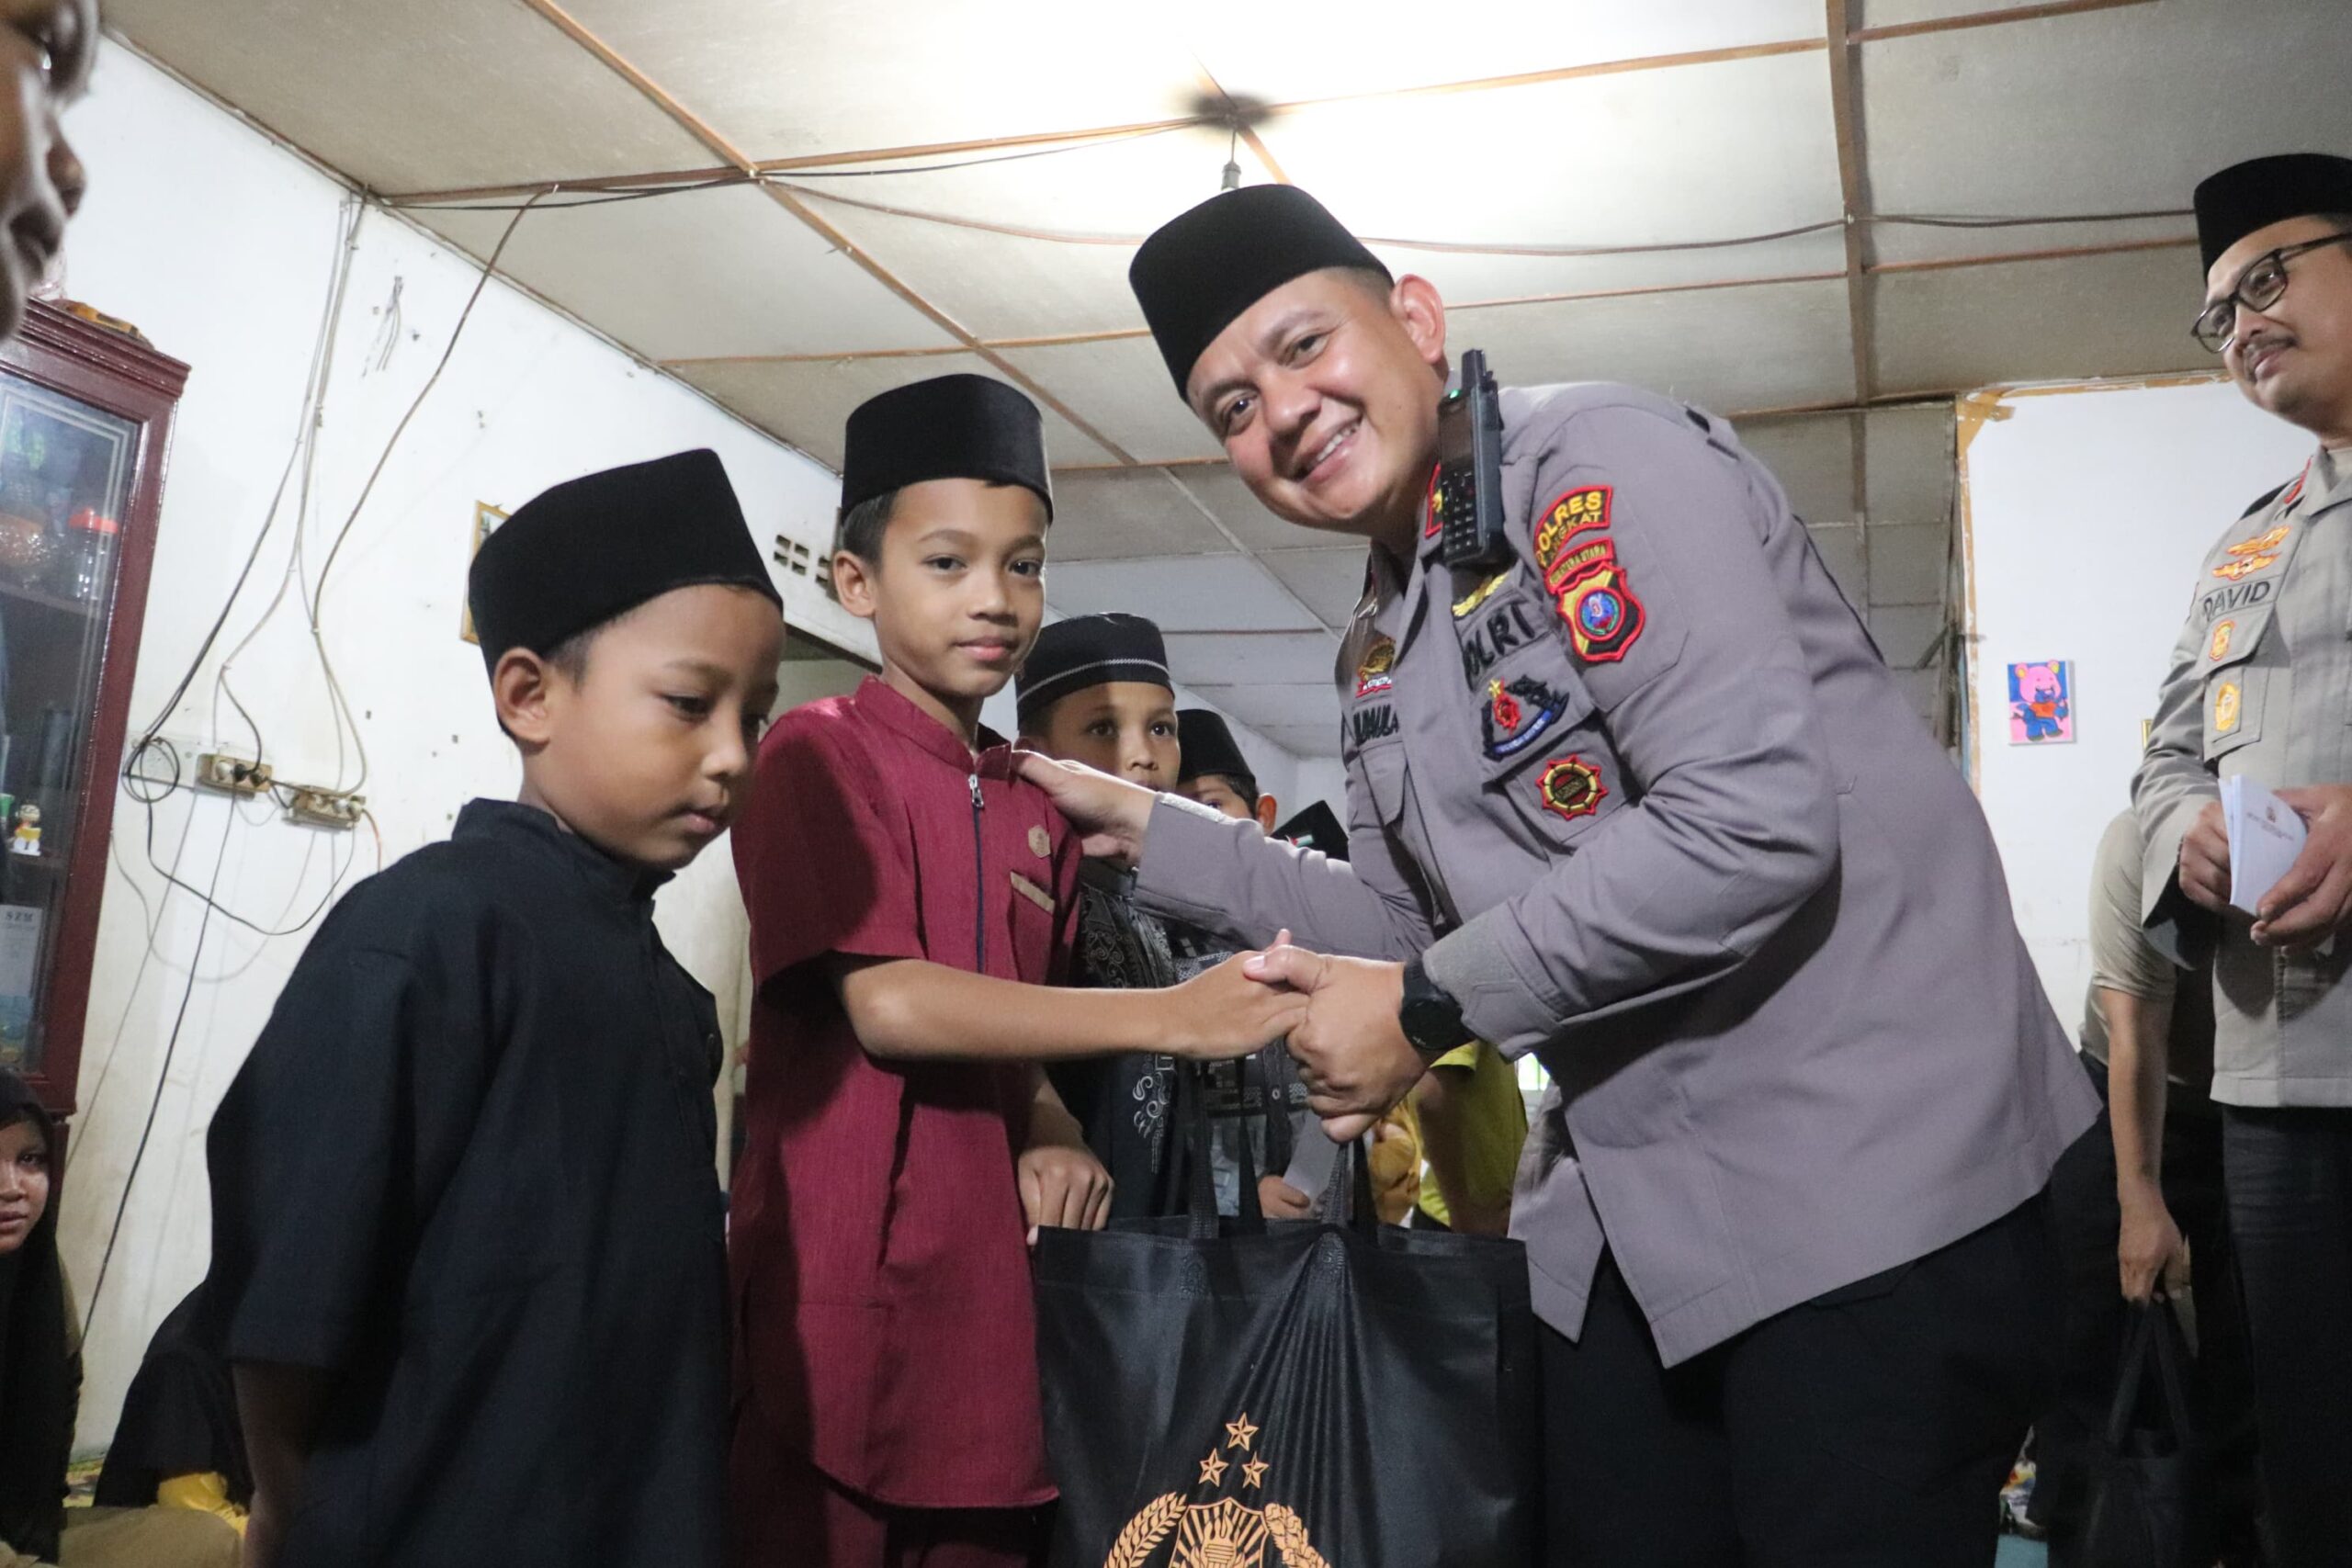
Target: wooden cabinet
(86, 420)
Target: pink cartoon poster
(2042, 702)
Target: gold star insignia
(1212, 1470)
(1254, 1472)
(1238, 1433)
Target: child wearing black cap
(910, 897)
(1215, 774)
(1096, 690)
(468, 1257)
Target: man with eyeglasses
(2260, 684)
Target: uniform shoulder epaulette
(2265, 499)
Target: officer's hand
(2313, 900)
(1226, 1012)
(1110, 813)
(1352, 1052)
(2205, 860)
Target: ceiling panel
(1911, 464)
(427, 94)
(997, 286)
(1281, 658)
(1766, 345)
(1124, 390)
(1219, 489)
(2177, 91)
(698, 273)
(785, 78)
(1746, 147)
(1281, 53)
(1907, 563)
(1202, 594)
(1813, 457)
(1297, 707)
(1961, 327)
(1121, 514)
(1331, 581)
(1303, 741)
(806, 401)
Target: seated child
(909, 898)
(41, 1386)
(468, 1259)
(177, 1442)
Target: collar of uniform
(512, 822)
(2327, 482)
(884, 703)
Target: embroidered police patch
(2270, 541)
(2219, 648)
(1602, 614)
(1575, 513)
(1437, 503)
(1572, 788)
(2225, 708)
(1373, 676)
(2245, 566)
(1518, 716)
(1479, 594)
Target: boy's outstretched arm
(911, 1009)
(279, 1407)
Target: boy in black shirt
(467, 1256)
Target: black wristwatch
(1432, 1020)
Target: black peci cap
(2262, 191)
(950, 427)
(1091, 650)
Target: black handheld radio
(1466, 497)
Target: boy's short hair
(864, 524)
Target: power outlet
(325, 808)
(232, 775)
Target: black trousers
(1871, 1427)
(2087, 1220)
(2289, 1178)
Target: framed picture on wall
(486, 521)
(2042, 702)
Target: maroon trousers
(789, 1514)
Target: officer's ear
(1267, 815)
(1421, 311)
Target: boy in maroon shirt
(911, 900)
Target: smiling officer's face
(1325, 394)
(2294, 358)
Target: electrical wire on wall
(150, 754)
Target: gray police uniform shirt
(1668, 823)
(2260, 683)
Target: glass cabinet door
(66, 469)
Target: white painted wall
(2088, 514)
(219, 246)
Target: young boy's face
(1125, 727)
(45, 50)
(960, 589)
(648, 751)
(1218, 790)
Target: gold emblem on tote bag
(1221, 1532)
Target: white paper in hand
(2264, 838)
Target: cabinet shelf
(16, 595)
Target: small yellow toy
(26, 841)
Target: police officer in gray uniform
(1646, 802)
(2260, 684)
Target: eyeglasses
(2262, 285)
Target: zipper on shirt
(979, 886)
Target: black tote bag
(2151, 1500)
(1328, 1393)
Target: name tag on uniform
(1035, 894)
